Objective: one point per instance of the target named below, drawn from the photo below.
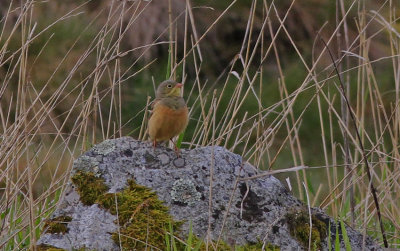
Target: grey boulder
(206, 186)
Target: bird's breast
(166, 122)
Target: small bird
(170, 113)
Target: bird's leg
(154, 144)
(175, 148)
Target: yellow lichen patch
(89, 187)
(299, 226)
(141, 216)
(57, 225)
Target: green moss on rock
(257, 247)
(57, 225)
(220, 246)
(44, 247)
(142, 217)
(89, 187)
(223, 246)
(299, 226)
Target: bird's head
(169, 88)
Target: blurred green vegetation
(72, 36)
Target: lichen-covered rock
(118, 177)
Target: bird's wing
(152, 105)
(155, 101)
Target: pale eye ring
(169, 86)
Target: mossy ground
(299, 226)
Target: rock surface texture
(241, 212)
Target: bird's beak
(178, 85)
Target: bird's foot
(177, 150)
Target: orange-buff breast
(166, 123)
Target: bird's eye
(169, 86)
